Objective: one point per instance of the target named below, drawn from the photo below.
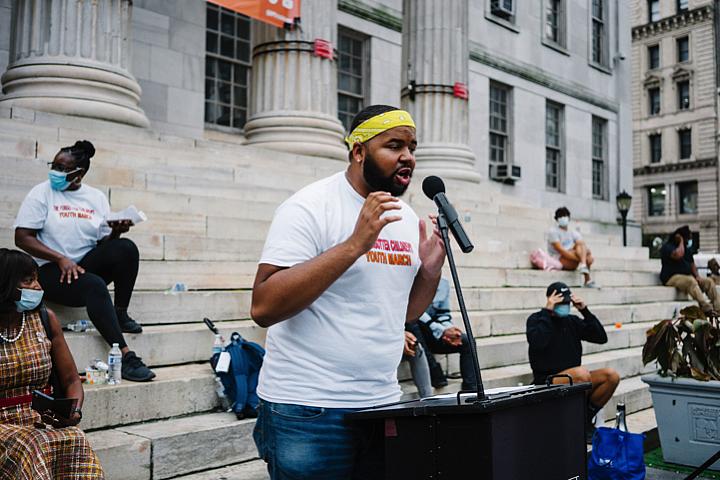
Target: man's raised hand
(370, 221)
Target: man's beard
(379, 183)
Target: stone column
(434, 60)
(72, 57)
(293, 104)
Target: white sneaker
(591, 284)
(582, 268)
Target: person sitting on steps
(714, 271)
(554, 339)
(679, 271)
(62, 224)
(568, 247)
(437, 334)
(30, 349)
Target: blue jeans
(300, 442)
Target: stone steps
(503, 313)
(190, 389)
(174, 344)
(180, 446)
(642, 421)
(192, 385)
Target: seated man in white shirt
(569, 248)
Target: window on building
(227, 67)
(656, 200)
(553, 146)
(654, 100)
(555, 21)
(503, 8)
(683, 49)
(599, 158)
(683, 91)
(681, 5)
(685, 143)
(351, 75)
(688, 197)
(653, 10)
(599, 36)
(499, 122)
(655, 148)
(653, 57)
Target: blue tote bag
(616, 455)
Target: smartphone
(63, 407)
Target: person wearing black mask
(679, 271)
(554, 337)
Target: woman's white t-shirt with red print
(69, 222)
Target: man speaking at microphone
(345, 265)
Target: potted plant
(686, 389)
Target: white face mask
(563, 221)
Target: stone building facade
(542, 85)
(675, 119)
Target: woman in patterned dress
(34, 447)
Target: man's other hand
(577, 301)
(452, 336)
(432, 249)
(410, 346)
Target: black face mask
(374, 177)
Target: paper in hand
(130, 213)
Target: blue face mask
(689, 243)
(562, 310)
(563, 221)
(29, 299)
(59, 181)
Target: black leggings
(112, 261)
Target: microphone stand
(443, 227)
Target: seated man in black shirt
(554, 337)
(679, 270)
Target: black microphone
(434, 189)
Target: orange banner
(275, 12)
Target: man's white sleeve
(294, 236)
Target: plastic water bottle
(115, 365)
(620, 423)
(217, 345)
(220, 390)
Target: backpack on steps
(241, 379)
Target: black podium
(537, 433)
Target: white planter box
(688, 417)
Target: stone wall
(169, 63)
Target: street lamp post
(623, 201)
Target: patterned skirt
(28, 452)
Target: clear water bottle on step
(115, 365)
(620, 422)
(217, 345)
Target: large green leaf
(655, 341)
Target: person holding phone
(28, 354)
(62, 223)
(554, 336)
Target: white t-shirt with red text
(69, 222)
(344, 349)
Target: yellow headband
(378, 124)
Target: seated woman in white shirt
(62, 224)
